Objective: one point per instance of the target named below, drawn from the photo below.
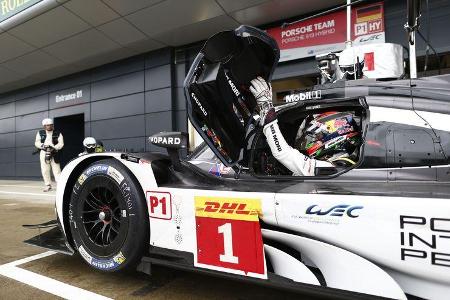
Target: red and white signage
(229, 235)
(380, 60)
(328, 33)
(159, 205)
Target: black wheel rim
(101, 216)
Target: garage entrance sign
(9, 8)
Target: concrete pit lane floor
(23, 202)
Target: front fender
(141, 170)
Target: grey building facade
(121, 103)
(124, 102)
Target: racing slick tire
(108, 217)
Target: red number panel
(229, 235)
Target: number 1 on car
(229, 235)
(228, 256)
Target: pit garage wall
(123, 103)
(395, 18)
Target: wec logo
(335, 211)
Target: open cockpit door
(220, 105)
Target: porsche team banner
(328, 33)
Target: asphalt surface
(23, 202)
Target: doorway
(72, 129)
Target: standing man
(49, 142)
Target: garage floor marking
(28, 194)
(49, 285)
(22, 186)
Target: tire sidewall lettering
(114, 261)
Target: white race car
(377, 224)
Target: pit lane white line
(26, 194)
(22, 186)
(27, 259)
(46, 284)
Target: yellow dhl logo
(228, 208)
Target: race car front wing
(53, 239)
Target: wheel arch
(73, 176)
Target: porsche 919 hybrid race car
(377, 225)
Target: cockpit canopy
(219, 102)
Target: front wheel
(108, 217)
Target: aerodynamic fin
(289, 267)
(341, 268)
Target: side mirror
(173, 142)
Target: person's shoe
(48, 188)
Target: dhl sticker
(228, 208)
